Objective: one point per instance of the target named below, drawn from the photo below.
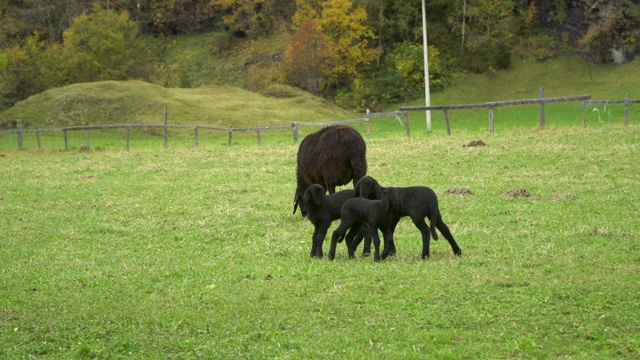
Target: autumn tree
(239, 15)
(344, 24)
(308, 58)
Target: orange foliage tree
(308, 58)
(349, 37)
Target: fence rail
(586, 100)
(404, 112)
(196, 128)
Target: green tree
(103, 45)
(490, 29)
(408, 59)
(23, 71)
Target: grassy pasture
(194, 253)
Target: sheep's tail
(435, 214)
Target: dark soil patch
(517, 193)
(458, 191)
(565, 197)
(475, 143)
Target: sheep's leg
(444, 230)
(426, 236)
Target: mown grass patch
(192, 253)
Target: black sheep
(416, 202)
(322, 210)
(369, 215)
(330, 157)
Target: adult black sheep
(331, 157)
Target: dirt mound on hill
(475, 143)
(458, 191)
(517, 193)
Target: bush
(489, 56)
(383, 87)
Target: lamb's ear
(356, 189)
(377, 189)
(318, 196)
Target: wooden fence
(586, 100)
(196, 129)
(404, 111)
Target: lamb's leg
(426, 236)
(366, 249)
(376, 243)
(337, 234)
(353, 239)
(360, 232)
(319, 240)
(444, 230)
(389, 248)
(314, 243)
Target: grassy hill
(136, 102)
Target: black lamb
(322, 210)
(369, 215)
(417, 202)
(330, 157)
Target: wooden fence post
(66, 140)
(19, 126)
(230, 134)
(368, 120)
(626, 109)
(88, 142)
(446, 120)
(294, 125)
(128, 135)
(259, 139)
(196, 136)
(166, 135)
(38, 137)
(406, 124)
(491, 120)
(584, 114)
(541, 107)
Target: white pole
(427, 97)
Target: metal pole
(427, 96)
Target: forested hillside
(355, 52)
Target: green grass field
(194, 253)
